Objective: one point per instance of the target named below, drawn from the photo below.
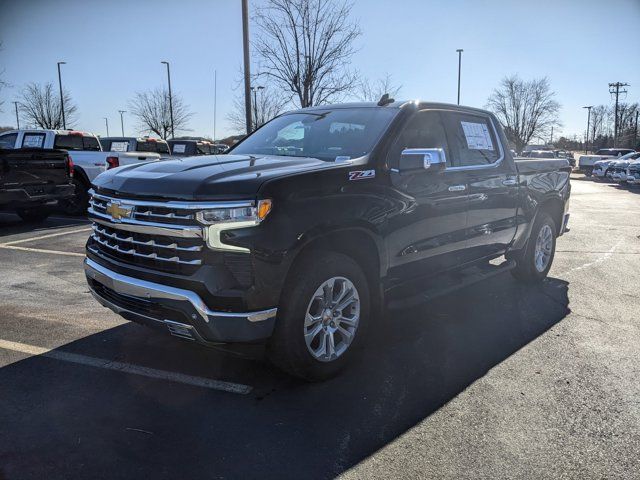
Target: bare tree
(526, 109)
(269, 104)
(601, 118)
(305, 46)
(151, 109)
(40, 105)
(372, 91)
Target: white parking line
(126, 368)
(49, 235)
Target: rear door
(491, 179)
(428, 235)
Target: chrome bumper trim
(143, 289)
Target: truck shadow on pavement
(63, 420)
(11, 224)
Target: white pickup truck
(84, 148)
(587, 162)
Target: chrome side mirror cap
(414, 160)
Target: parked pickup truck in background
(33, 179)
(87, 154)
(369, 205)
(586, 162)
(192, 148)
(132, 149)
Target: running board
(449, 282)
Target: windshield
(542, 154)
(630, 156)
(339, 134)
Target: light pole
(122, 121)
(255, 103)
(106, 123)
(18, 118)
(459, 70)
(247, 71)
(173, 132)
(215, 101)
(64, 122)
(586, 141)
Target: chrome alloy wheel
(332, 318)
(544, 244)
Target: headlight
(218, 220)
(235, 214)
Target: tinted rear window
(68, 142)
(91, 143)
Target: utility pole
(635, 135)
(459, 70)
(122, 121)
(614, 89)
(106, 122)
(18, 118)
(255, 104)
(247, 71)
(64, 122)
(586, 141)
(215, 101)
(173, 132)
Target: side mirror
(416, 160)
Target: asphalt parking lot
(495, 381)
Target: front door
(427, 235)
(491, 181)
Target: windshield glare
(331, 135)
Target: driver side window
(423, 130)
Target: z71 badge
(361, 174)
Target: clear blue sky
(114, 48)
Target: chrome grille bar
(150, 256)
(150, 243)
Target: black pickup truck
(34, 179)
(302, 233)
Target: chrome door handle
(509, 182)
(457, 188)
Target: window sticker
(179, 148)
(33, 141)
(477, 135)
(119, 146)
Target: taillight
(70, 166)
(113, 162)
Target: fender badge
(361, 174)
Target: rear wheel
(323, 316)
(34, 214)
(78, 204)
(534, 263)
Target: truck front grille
(146, 212)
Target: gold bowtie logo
(117, 211)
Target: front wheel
(322, 318)
(534, 263)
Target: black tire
(78, 204)
(34, 214)
(526, 270)
(287, 348)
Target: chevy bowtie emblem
(118, 211)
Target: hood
(208, 177)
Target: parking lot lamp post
(18, 118)
(173, 132)
(586, 141)
(255, 104)
(64, 123)
(106, 123)
(459, 70)
(246, 67)
(122, 121)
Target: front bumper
(182, 312)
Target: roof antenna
(385, 100)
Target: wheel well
(80, 175)
(554, 208)
(355, 244)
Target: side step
(447, 283)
